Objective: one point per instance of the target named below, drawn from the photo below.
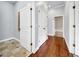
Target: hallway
(53, 47)
(48, 28)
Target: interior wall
(6, 20)
(51, 23)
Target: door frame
(63, 23)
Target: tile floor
(12, 48)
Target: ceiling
(53, 4)
(12, 2)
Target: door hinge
(73, 26)
(31, 44)
(30, 8)
(31, 26)
(38, 10)
(19, 29)
(73, 45)
(73, 7)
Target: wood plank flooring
(53, 47)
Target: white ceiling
(53, 4)
(12, 2)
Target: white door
(77, 28)
(42, 27)
(70, 14)
(25, 26)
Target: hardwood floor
(53, 47)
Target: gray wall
(8, 19)
(7, 23)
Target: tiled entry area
(12, 48)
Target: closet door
(25, 27)
(42, 27)
(70, 15)
(77, 28)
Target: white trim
(3, 40)
(67, 43)
(58, 30)
(36, 49)
(16, 39)
(29, 54)
(59, 6)
(63, 25)
(51, 34)
(9, 39)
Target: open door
(77, 28)
(25, 27)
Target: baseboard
(16, 39)
(75, 56)
(3, 40)
(66, 43)
(58, 30)
(29, 54)
(39, 47)
(51, 34)
(36, 50)
(9, 39)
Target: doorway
(59, 26)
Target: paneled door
(77, 28)
(25, 27)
